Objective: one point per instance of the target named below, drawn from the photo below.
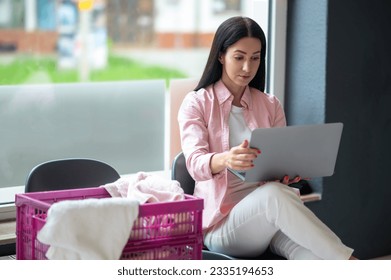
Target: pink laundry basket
(162, 231)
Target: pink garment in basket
(152, 188)
(146, 188)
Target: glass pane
(47, 42)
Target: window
(224, 6)
(11, 13)
(46, 17)
(53, 41)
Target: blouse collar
(223, 94)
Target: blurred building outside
(177, 33)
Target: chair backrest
(70, 174)
(179, 88)
(179, 172)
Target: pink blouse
(204, 128)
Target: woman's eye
(238, 58)
(256, 58)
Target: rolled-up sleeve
(195, 137)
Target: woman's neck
(236, 91)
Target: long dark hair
(228, 33)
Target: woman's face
(240, 63)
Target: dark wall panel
(356, 200)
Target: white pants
(274, 215)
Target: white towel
(146, 188)
(89, 229)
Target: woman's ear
(221, 58)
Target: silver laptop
(308, 151)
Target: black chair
(180, 173)
(70, 173)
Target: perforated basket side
(175, 249)
(158, 224)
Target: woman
(216, 119)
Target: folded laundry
(78, 229)
(146, 188)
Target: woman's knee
(273, 189)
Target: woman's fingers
(244, 144)
(287, 181)
(295, 180)
(242, 156)
(241, 162)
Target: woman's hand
(239, 158)
(287, 181)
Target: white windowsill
(7, 204)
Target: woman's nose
(246, 66)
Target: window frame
(278, 12)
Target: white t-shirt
(238, 129)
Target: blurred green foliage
(28, 70)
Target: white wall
(192, 15)
(259, 11)
(174, 15)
